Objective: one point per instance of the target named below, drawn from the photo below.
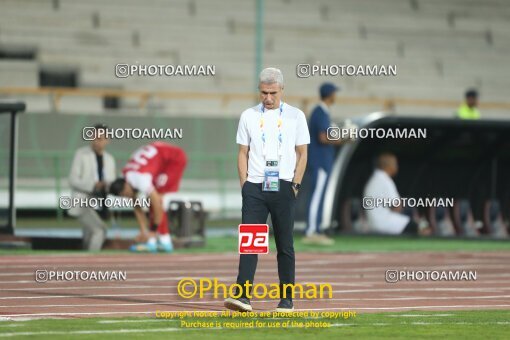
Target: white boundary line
(178, 329)
(218, 301)
(343, 291)
(263, 270)
(401, 307)
(40, 315)
(171, 261)
(259, 277)
(88, 296)
(326, 258)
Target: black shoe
(240, 305)
(285, 306)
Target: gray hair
(271, 75)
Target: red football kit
(157, 166)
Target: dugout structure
(8, 148)
(463, 159)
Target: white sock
(152, 241)
(164, 238)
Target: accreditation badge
(271, 176)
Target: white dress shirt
(294, 130)
(383, 219)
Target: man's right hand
(142, 237)
(99, 186)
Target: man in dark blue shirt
(321, 153)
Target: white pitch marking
(16, 262)
(209, 294)
(17, 319)
(418, 315)
(380, 324)
(149, 260)
(439, 289)
(151, 312)
(425, 323)
(402, 307)
(342, 266)
(344, 284)
(387, 284)
(87, 287)
(258, 301)
(136, 321)
(127, 330)
(161, 303)
(225, 278)
(421, 323)
(43, 315)
(175, 329)
(179, 271)
(220, 278)
(174, 278)
(262, 270)
(422, 298)
(83, 296)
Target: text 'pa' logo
(253, 239)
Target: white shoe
(239, 305)
(165, 247)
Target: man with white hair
(273, 138)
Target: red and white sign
(253, 239)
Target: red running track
(358, 281)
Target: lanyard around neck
(263, 133)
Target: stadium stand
(439, 47)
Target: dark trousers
(257, 205)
